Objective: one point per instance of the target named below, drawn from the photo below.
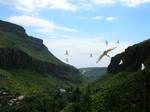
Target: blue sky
(81, 26)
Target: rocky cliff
(20, 51)
(131, 58)
(10, 27)
(15, 58)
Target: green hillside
(30, 45)
(125, 88)
(120, 92)
(29, 71)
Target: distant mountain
(93, 73)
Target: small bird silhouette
(105, 53)
(91, 55)
(106, 42)
(66, 53)
(67, 60)
(118, 42)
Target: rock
(36, 40)
(132, 58)
(11, 58)
(10, 27)
(19, 52)
(20, 97)
(62, 90)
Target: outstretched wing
(101, 56)
(108, 50)
(105, 53)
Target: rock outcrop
(10, 27)
(15, 58)
(22, 56)
(132, 58)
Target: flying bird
(67, 60)
(106, 42)
(118, 42)
(105, 53)
(66, 53)
(91, 55)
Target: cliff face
(9, 27)
(132, 58)
(14, 58)
(20, 51)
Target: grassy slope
(11, 40)
(120, 92)
(26, 82)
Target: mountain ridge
(132, 58)
(15, 41)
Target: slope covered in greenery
(125, 88)
(11, 39)
(121, 92)
(18, 50)
(30, 76)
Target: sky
(81, 26)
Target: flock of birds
(105, 53)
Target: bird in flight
(118, 42)
(105, 53)
(66, 53)
(67, 60)
(91, 55)
(106, 42)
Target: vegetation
(26, 90)
(37, 51)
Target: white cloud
(33, 6)
(134, 3)
(97, 17)
(39, 24)
(36, 5)
(90, 4)
(67, 29)
(103, 2)
(80, 49)
(111, 18)
(129, 3)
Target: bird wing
(105, 53)
(108, 50)
(101, 56)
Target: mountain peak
(10, 27)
